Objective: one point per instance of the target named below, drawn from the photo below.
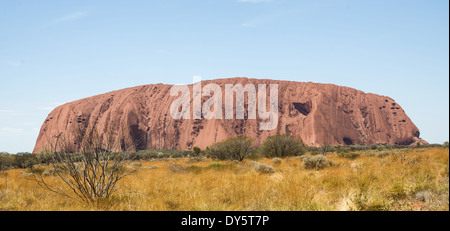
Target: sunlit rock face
(317, 114)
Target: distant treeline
(28, 160)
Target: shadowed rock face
(317, 114)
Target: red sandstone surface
(317, 114)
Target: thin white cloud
(162, 52)
(9, 113)
(47, 108)
(17, 131)
(50, 107)
(15, 63)
(66, 18)
(28, 124)
(255, 1)
(70, 17)
(252, 23)
(10, 130)
(268, 18)
(259, 21)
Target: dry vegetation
(411, 179)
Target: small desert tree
(282, 146)
(90, 175)
(197, 150)
(325, 149)
(6, 162)
(232, 149)
(317, 162)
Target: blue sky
(52, 52)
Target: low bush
(424, 196)
(325, 149)
(348, 155)
(176, 168)
(282, 146)
(194, 169)
(276, 160)
(197, 150)
(6, 161)
(232, 149)
(255, 156)
(216, 165)
(195, 160)
(317, 162)
(25, 160)
(264, 168)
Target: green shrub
(195, 169)
(325, 149)
(303, 157)
(197, 150)
(6, 161)
(232, 149)
(216, 165)
(255, 156)
(276, 160)
(398, 191)
(316, 162)
(264, 168)
(424, 196)
(25, 160)
(348, 155)
(36, 171)
(159, 154)
(358, 147)
(252, 164)
(195, 160)
(282, 146)
(176, 168)
(382, 154)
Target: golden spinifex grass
(413, 179)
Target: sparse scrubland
(354, 179)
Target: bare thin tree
(89, 175)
